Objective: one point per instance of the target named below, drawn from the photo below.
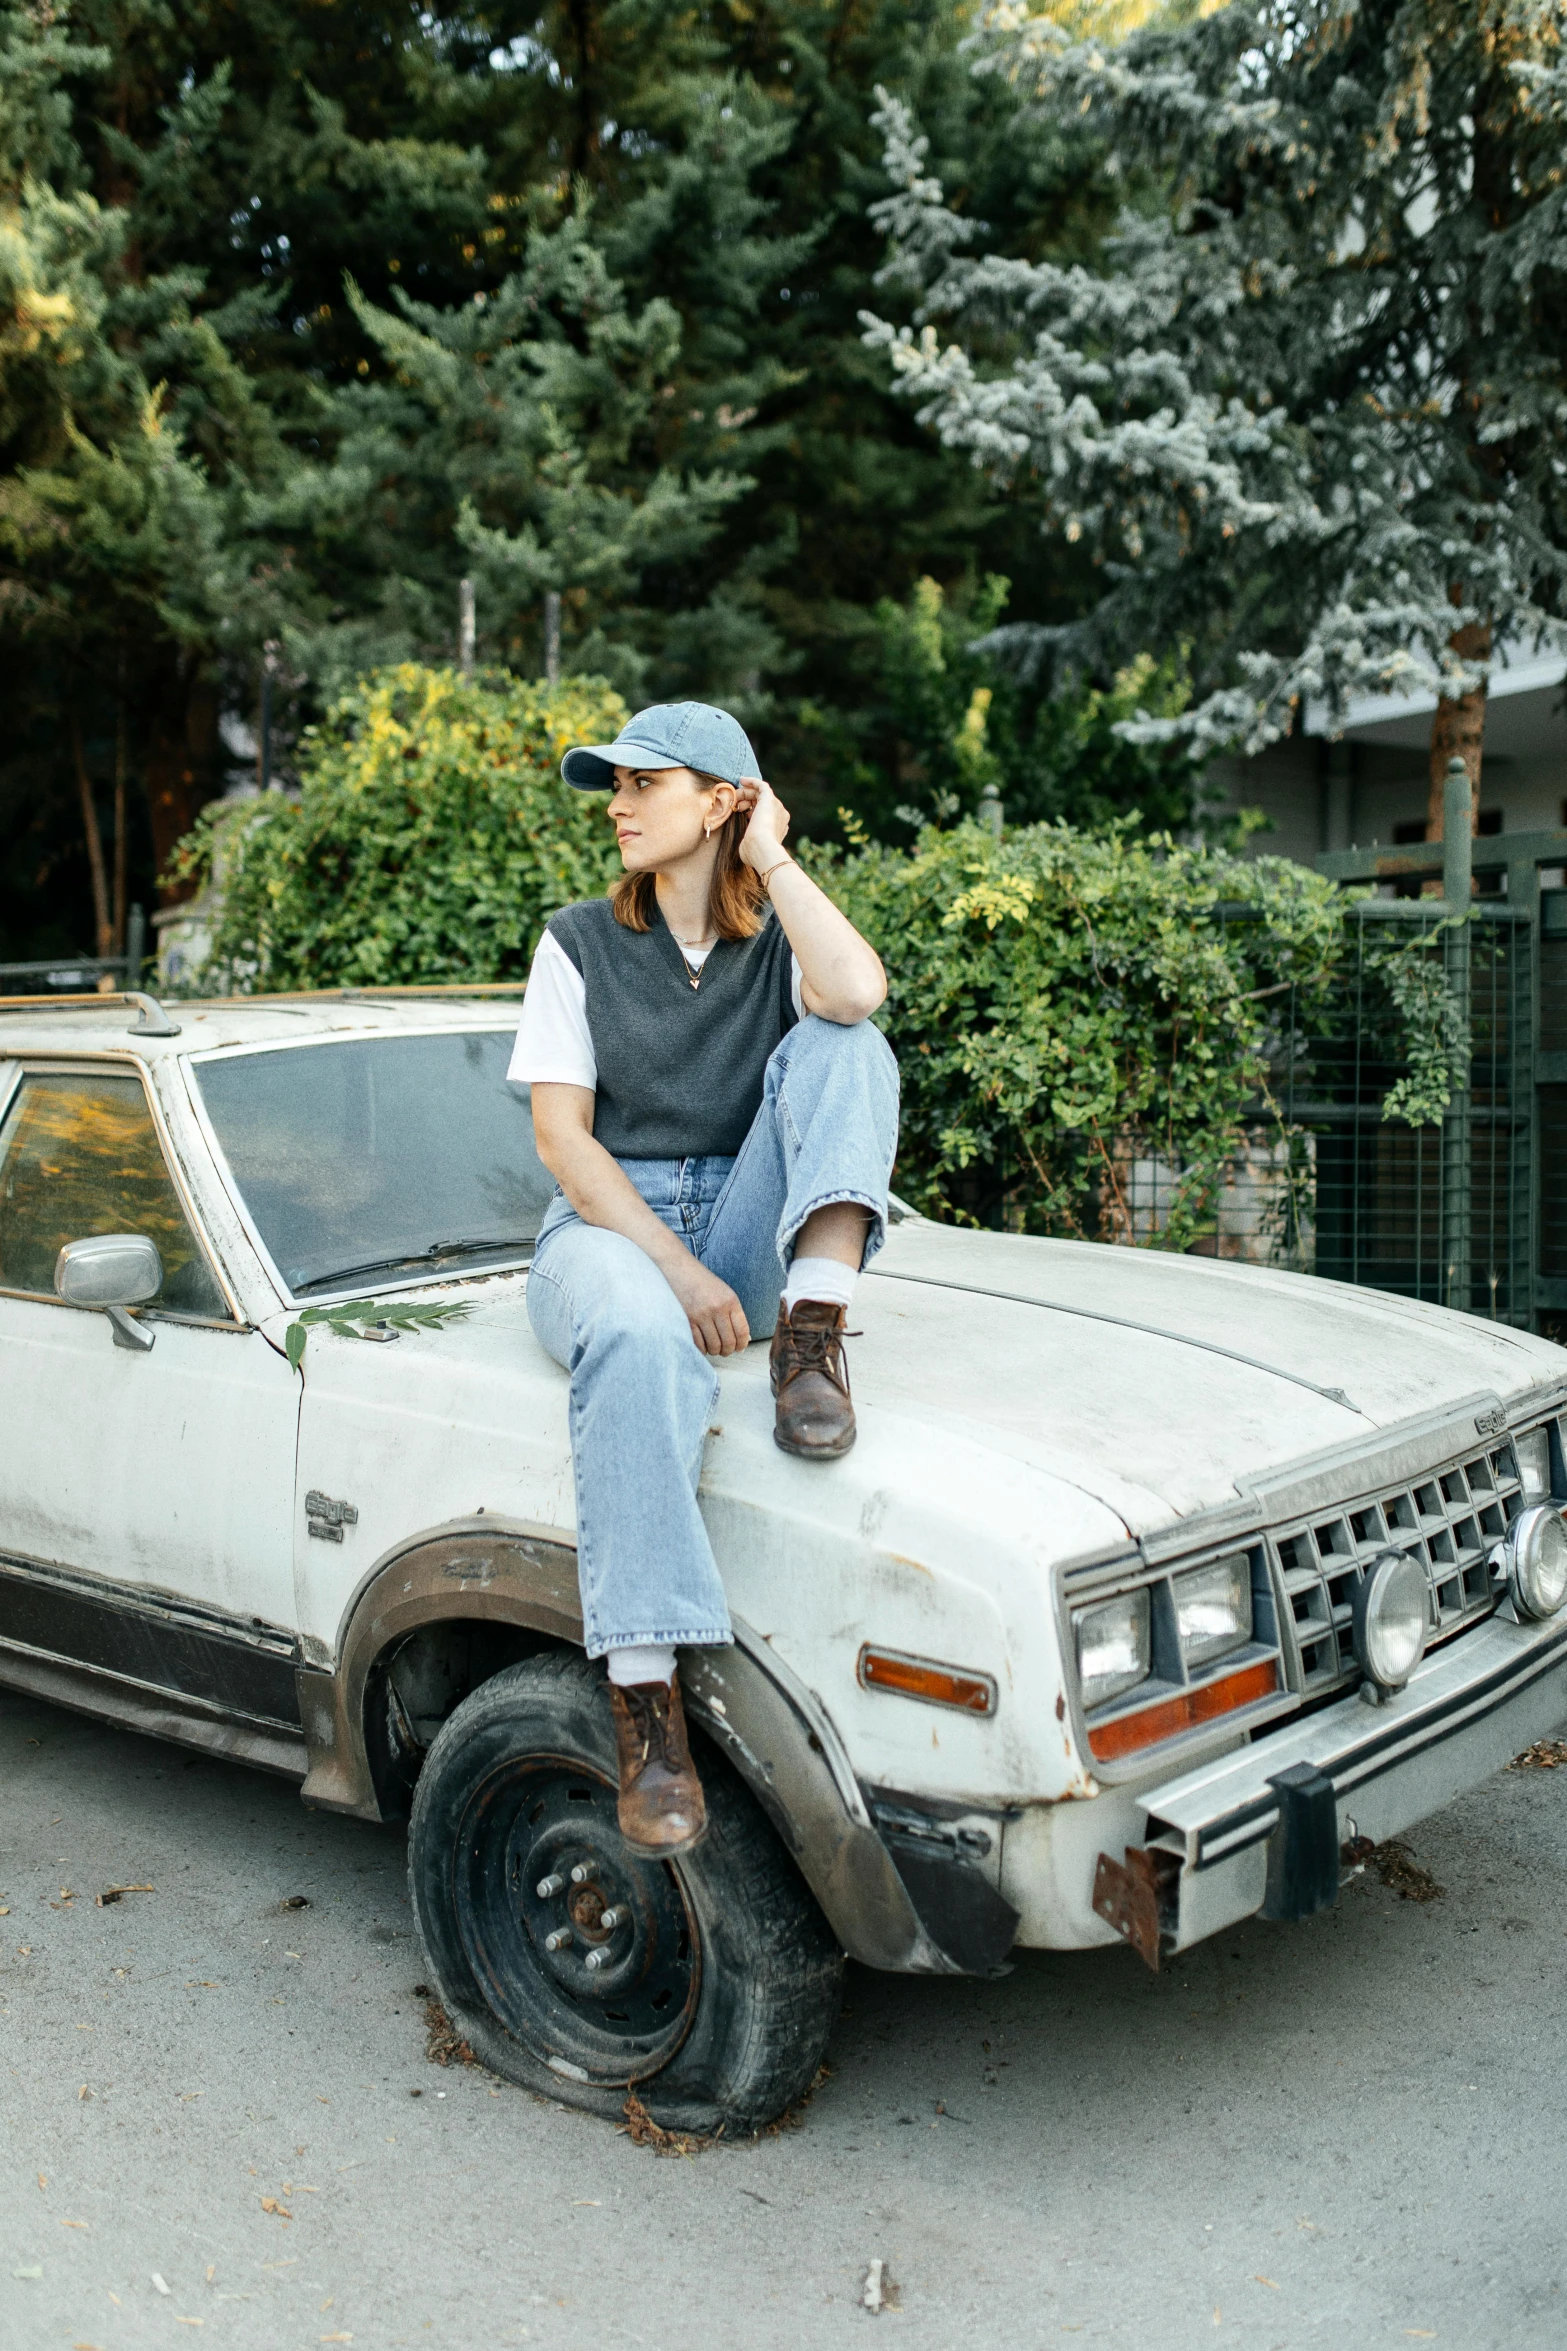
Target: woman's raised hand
(764, 835)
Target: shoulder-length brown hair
(734, 903)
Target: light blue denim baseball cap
(667, 734)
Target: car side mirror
(110, 1272)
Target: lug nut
(559, 1940)
(581, 1874)
(598, 1959)
(615, 1917)
(553, 1884)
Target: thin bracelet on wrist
(766, 878)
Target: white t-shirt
(554, 1046)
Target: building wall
(1318, 795)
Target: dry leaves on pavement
(640, 2128)
(1397, 1867)
(444, 2044)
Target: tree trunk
(118, 903)
(1458, 729)
(181, 736)
(584, 20)
(103, 925)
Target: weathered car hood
(1153, 1386)
(1159, 1384)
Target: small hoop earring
(707, 832)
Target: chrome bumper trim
(1219, 1811)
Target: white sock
(649, 1662)
(823, 1279)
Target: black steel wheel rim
(586, 1953)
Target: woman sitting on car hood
(721, 1119)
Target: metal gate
(1474, 1213)
(1434, 1212)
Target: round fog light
(1537, 1560)
(1390, 1619)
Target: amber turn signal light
(921, 1677)
(1150, 1724)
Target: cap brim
(591, 766)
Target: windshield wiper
(436, 1251)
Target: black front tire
(714, 1978)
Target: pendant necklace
(695, 977)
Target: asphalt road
(1349, 2133)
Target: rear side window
(79, 1155)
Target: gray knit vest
(680, 1069)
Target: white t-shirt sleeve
(794, 987)
(554, 1046)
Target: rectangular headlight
(1213, 1610)
(1532, 1452)
(1112, 1647)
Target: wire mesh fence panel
(1552, 1098)
(1327, 1182)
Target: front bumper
(1260, 1830)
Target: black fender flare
(773, 1729)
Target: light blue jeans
(642, 1392)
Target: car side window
(79, 1155)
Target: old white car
(1151, 1584)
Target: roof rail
(372, 995)
(151, 1019)
(438, 988)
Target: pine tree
(546, 435)
(1309, 421)
(124, 424)
(561, 296)
(853, 504)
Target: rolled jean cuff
(789, 1232)
(696, 1637)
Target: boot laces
(816, 1346)
(651, 1712)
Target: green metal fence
(1439, 1213)
(1473, 1214)
(1326, 1183)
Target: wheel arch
(507, 1578)
(773, 1729)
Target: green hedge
(431, 839)
(1058, 999)
(1062, 1001)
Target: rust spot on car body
(1137, 1898)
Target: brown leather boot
(814, 1417)
(661, 1808)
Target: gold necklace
(695, 977)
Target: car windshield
(369, 1155)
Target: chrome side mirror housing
(110, 1272)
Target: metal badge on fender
(328, 1518)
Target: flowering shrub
(431, 840)
(1062, 1002)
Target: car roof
(110, 1024)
